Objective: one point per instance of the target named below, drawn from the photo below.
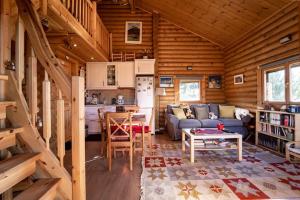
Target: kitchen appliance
(120, 100)
(145, 97)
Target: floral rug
(169, 175)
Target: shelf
(273, 135)
(282, 126)
(272, 150)
(277, 112)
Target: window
(189, 90)
(275, 86)
(281, 84)
(295, 83)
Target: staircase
(21, 166)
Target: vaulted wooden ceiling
(219, 21)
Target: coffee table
(195, 139)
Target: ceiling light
(74, 45)
(92, 58)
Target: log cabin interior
(149, 99)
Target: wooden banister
(78, 139)
(60, 128)
(47, 110)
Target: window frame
(262, 100)
(191, 79)
(296, 64)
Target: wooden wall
(259, 46)
(178, 49)
(114, 18)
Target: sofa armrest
(173, 120)
(172, 126)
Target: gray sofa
(174, 125)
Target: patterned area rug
(168, 175)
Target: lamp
(160, 92)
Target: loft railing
(85, 12)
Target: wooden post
(43, 8)
(20, 45)
(4, 41)
(60, 125)
(155, 22)
(46, 110)
(78, 139)
(94, 22)
(32, 85)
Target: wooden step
(3, 106)
(8, 137)
(3, 77)
(43, 189)
(15, 169)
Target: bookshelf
(275, 128)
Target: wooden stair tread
(8, 137)
(3, 77)
(7, 103)
(41, 189)
(7, 131)
(11, 163)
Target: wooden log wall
(114, 17)
(178, 49)
(259, 46)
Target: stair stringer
(21, 118)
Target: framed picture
(133, 32)
(166, 81)
(214, 81)
(238, 79)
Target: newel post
(78, 139)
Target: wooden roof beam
(132, 5)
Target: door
(125, 74)
(95, 75)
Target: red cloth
(139, 129)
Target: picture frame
(238, 79)
(166, 82)
(133, 32)
(214, 82)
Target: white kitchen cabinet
(144, 66)
(125, 74)
(95, 75)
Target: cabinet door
(144, 66)
(95, 75)
(125, 74)
(111, 75)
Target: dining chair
(101, 115)
(119, 134)
(144, 133)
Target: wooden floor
(120, 183)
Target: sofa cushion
(189, 123)
(210, 123)
(226, 111)
(215, 109)
(179, 113)
(201, 112)
(193, 106)
(231, 122)
(170, 107)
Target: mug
(220, 126)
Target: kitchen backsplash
(105, 96)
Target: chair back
(119, 125)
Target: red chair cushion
(139, 129)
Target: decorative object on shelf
(133, 32)
(129, 56)
(146, 53)
(214, 81)
(166, 81)
(10, 65)
(117, 56)
(293, 109)
(238, 79)
(283, 108)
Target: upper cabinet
(126, 76)
(144, 66)
(109, 75)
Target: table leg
(183, 141)
(192, 150)
(240, 150)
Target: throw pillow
(201, 113)
(187, 111)
(226, 111)
(179, 113)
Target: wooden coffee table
(193, 142)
